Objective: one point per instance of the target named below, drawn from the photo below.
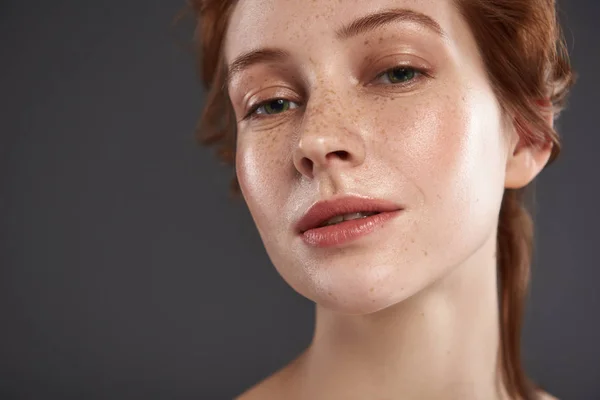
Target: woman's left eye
(398, 75)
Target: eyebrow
(253, 57)
(357, 27)
(374, 21)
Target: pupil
(276, 106)
(401, 74)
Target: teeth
(335, 220)
(348, 217)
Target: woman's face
(396, 108)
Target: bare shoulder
(275, 386)
(268, 388)
(546, 396)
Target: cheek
(263, 170)
(447, 143)
(450, 149)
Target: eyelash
(419, 73)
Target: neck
(441, 343)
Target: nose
(325, 142)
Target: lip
(334, 235)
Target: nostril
(307, 164)
(341, 154)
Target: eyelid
(420, 73)
(251, 113)
(278, 92)
(398, 60)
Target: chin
(376, 273)
(358, 289)
(364, 301)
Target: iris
(276, 106)
(401, 74)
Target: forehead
(293, 23)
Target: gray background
(126, 271)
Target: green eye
(400, 74)
(271, 107)
(275, 106)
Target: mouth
(347, 217)
(344, 209)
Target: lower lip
(347, 231)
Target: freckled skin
(411, 310)
(415, 302)
(436, 147)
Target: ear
(525, 160)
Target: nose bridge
(323, 117)
(326, 105)
(329, 132)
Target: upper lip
(322, 211)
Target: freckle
(412, 240)
(367, 41)
(406, 249)
(425, 252)
(370, 290)
(422, 314)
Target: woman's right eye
(270, 107)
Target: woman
(383, 148)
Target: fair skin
(409, 311)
